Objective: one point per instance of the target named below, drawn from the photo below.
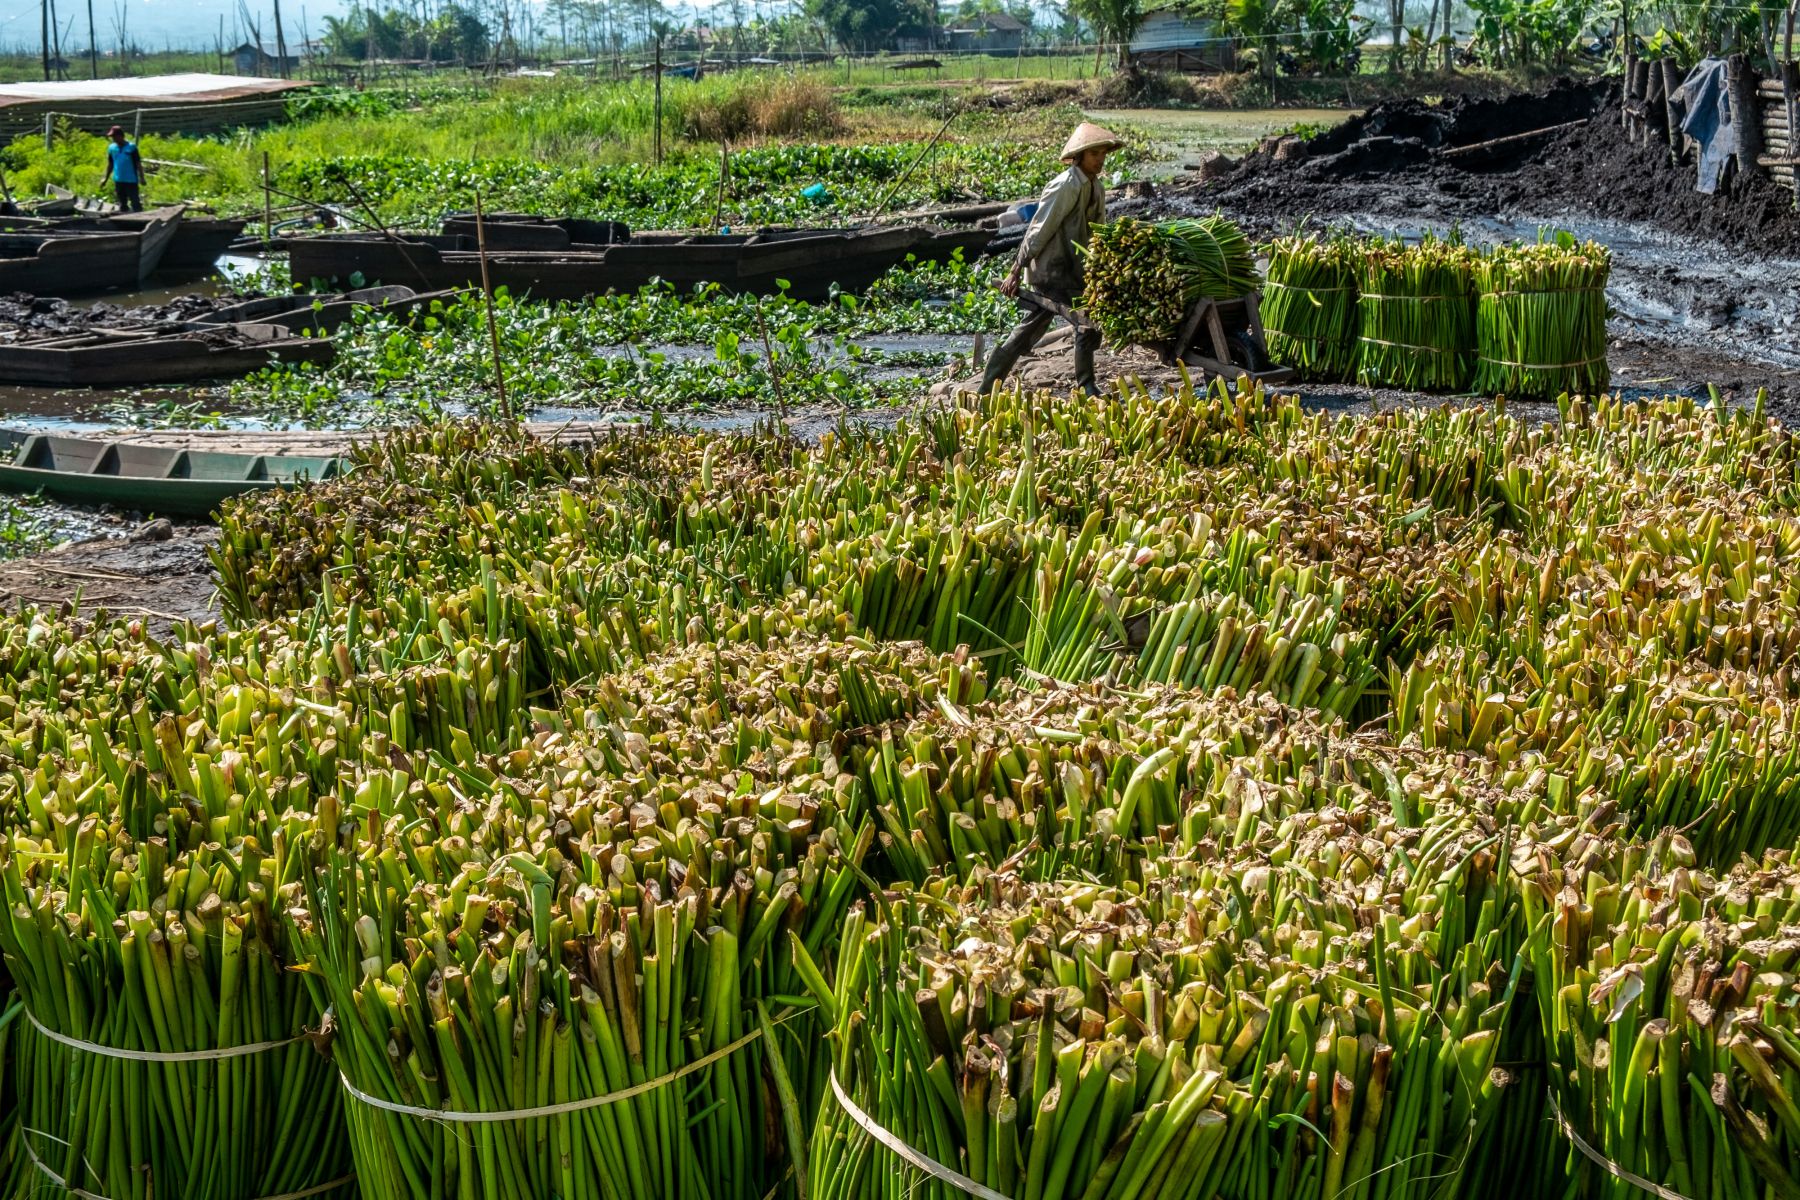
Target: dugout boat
(75, 256)
(138, 357)
(173, 481)
(567, 259)
(322, 312)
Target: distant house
(254, 59)
(995, 33)
(1173, 40)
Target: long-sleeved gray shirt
(1071, 205)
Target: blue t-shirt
(124, 162)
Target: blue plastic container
(1027, 211)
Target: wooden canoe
(101, 357)
(55, 258)
(542, 258)
(322, 312)
(197, 243)
(173, 481)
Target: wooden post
(724, 174)
(1746, 116)
(658, 71)
(268, 202)
(1671, 84)
(1625, 88)
(487, 291)
(49, 132)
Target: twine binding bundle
(1417, 316)
(1309, 306)
(1541, 319)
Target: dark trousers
(126, 194)
(1032, 326)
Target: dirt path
(160, 573)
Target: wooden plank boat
(545, 258)
(175, 481)
(57, 202)
(322, 312)
(197, 244)
(101, 357)
(49, 259)
(193, 245)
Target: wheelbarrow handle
(1073, 316)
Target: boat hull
(806, 264)
(150, 479)
(127, 360)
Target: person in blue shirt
(125, 170)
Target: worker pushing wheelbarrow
(1048, 263)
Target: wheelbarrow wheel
(1246, 353)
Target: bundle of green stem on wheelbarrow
(1142, 278)
(1288, 1023)
(1541, 320)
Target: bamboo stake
(268, 200)
(724, 175)
(487, 294)
(912, 166)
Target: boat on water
(197, 244)
(105, 357)
(171, 481)
(566, 259)
(193, 248)
(51, 258)
(323, 312)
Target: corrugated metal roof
(158, 89)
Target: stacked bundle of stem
(631, 901)
(1124, 785)
(1668, 1004)
(1309, 306)
(1170, 603)
(1541, 319)
(1132, 288)
(1254, 1027)
(1140, 279)
(1416, 309)
(122, 939)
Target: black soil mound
(1434, 160)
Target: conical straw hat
(1088, 136)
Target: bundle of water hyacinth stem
(1416, 308)
(1141, 279)
(1309, 305)
(1166, 794)
(1541, 319)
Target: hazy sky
(154, 23)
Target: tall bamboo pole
(487, 291)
